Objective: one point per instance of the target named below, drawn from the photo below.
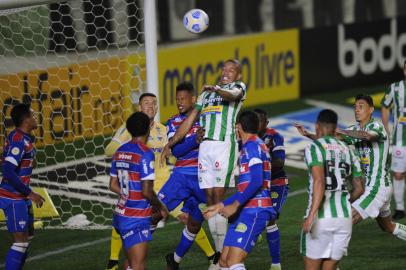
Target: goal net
(81, 66)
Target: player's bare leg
(233, 258)
(330, 264)
(137, 256)
(311, 264)
(217, 224)
(398, 195)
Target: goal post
(82, 67)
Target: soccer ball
(196, 21)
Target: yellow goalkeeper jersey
(156, 141)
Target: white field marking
(67, 164)
(106, 239)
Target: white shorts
(398, 159)
(374, 203)
(217, 160)
(328, 239)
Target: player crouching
(252, 201)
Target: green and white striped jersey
(340, 165)
(218, 116)
(395, 95)
(373, 155)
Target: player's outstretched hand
(212, 210)
(230, 209)
(208, 88)
(301, 129)
(36, 198)
(166, 152)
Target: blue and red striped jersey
(133, 163)
(18, 150)
(253, 152)
(187, 150)
(275, 143)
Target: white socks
(218, 229)
(398, 194)
(239, 266)
(400, 231)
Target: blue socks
(273, 236)
(16, 256)
(184, 245)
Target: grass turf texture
(369, 248)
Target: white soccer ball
(196, 21)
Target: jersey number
(123, 178)
(332, 183)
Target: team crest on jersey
(241, 227)
(151, 164)
(274, 195)
(15, 151)
(218, 179)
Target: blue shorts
(17, 214)
(278, 196)
(244, 231)
(183, 188)
(132, 231)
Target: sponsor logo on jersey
(217, 166)
(152, 164)
(241, 227)
(128, 234)
(145, 232)
(22, 223)
(239, 240)
(124, 156)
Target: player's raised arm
(386, 103)
(234, 94)
(180, 133)
(304, 132)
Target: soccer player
(183, 184)
(132, 177)
(327, 227)
(371, 143)
(279, 183)
(157, 139)
(15, 192)
(217, 107)
(251, 207)
(396, 95)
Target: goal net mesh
(81, 66)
